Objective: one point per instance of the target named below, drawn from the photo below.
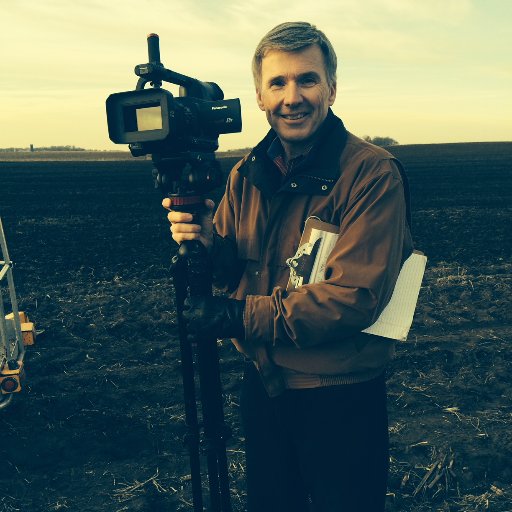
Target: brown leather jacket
(312, 336)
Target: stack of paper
(396, 318)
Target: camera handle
(191, 272)
(155, 73)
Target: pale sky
(415, 70)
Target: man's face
(295, 95)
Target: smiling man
(295, 92)
(309, 239)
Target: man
(313, 399)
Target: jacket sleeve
(361, 273)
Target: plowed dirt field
(99, 424)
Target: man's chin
(296, 138)
(294, 134)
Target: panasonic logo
(220, 108)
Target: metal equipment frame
(10, 349)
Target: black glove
(207, 316)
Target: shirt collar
(275, 149)
(276, 153)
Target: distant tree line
(378, 141)
(381, 141)
(42, 148)
(235, 152)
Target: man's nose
(292, 94)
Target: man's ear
(260, 100)
(332, 93)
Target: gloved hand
(207, 316)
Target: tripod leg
(192, 438)
(215, 429)
(192, 274)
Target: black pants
(323, 449)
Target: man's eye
(308, 82)
(276, 84)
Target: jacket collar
(315, 175)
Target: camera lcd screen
(149, 118)
(142, 118)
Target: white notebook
(396, 319)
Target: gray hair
(294, 36)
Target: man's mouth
(294, 117)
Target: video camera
(181, 134)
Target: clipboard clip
(302, 263)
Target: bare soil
(99, 424)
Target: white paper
(396, 319)
(326, 246)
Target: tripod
(191, 272)
(181, 134)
